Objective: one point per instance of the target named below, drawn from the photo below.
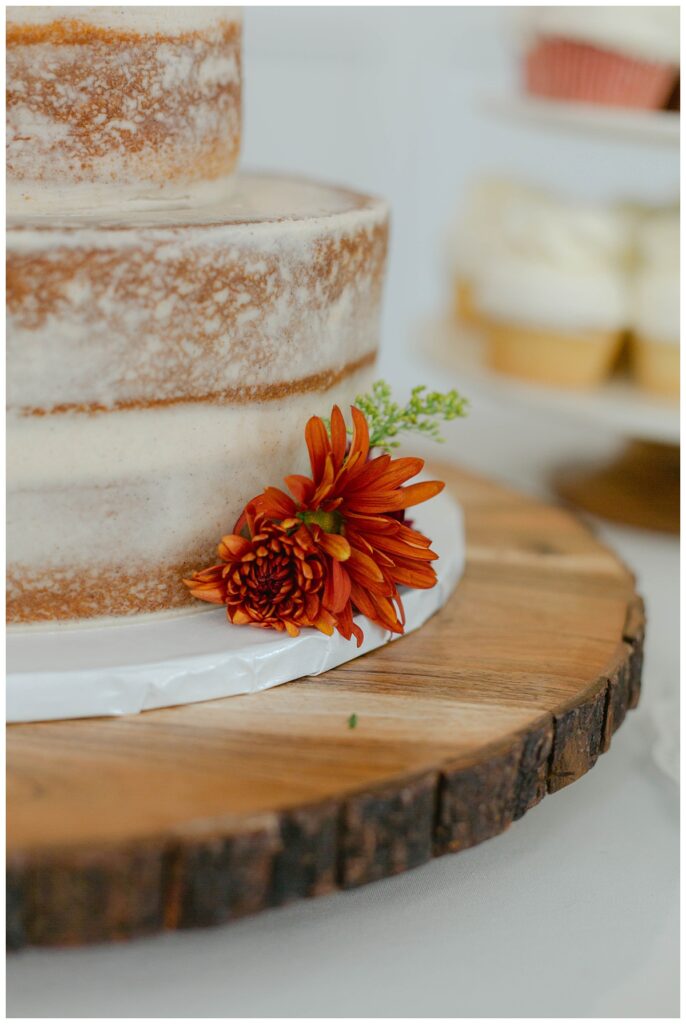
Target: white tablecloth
(572, 912)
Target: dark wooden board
(197, 815)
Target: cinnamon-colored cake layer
(140, 99)
(34, 596)
(160, 372)
(237, 302)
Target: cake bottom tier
(107, 512)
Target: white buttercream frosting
(540, 296)
(656, 306)
(477, 220)
(570, 235)
(657, 240)
(556, 264)
(151, 483)
(163, 20)
(647, 33)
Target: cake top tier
(161, 20)
(121, 104)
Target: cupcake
(554, 294)
(614, 56)
(654, 346)
(471, 235)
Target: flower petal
(312, 607)
(272, 503)
(421, 577)
(359, 445)
(301, 487)
(384, 473)
(276, 504)
(232, 547)
(325, 623)
(401, 470)
(393, 501)
(324, 484)
(337, 588)
(213, 595)
(339, 437)
(304, 540)
(371, 523)
(318, 446)
(404, 549)
(361, 601)
(239, 617)
(370, 476)
(362, 566)
(334, 545)
(386, 614)
(346, 627)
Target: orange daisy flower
(350, 505)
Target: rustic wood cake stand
(196, 815)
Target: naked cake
(113, 105)
(163, 355)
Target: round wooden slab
(197, 815)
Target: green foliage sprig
(421, 414)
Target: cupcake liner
(655, 365)
(567, 70)
(552, 357)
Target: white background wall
(386, 99)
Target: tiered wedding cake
(170, 327)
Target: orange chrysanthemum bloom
(353, 498)
(276, 578)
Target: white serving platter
(650, 127)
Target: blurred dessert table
(589, 877)
(637, 485)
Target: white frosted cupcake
(554, 292)
(655, 346)
(472, 234)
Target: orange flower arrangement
(275, 577)
(337, 544)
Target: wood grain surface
(197, 815)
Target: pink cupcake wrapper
(564, 69)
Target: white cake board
(161, 661)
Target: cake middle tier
(160, 373)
